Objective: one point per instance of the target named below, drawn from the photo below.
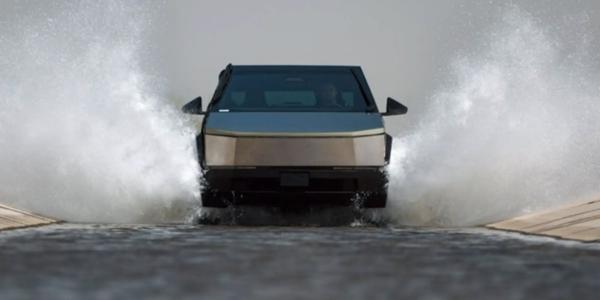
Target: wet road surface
(72, 261)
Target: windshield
(292, 91)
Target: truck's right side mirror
(194, 107)
(394, 108)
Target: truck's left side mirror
(194, 107)
(394, 108)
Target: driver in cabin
(327, 95)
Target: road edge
(13, 218)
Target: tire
(376, 200)
(213, 199)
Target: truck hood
(291, 124)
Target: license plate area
(295, 179)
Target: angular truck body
(293, 135)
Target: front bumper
(295, 186)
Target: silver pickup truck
(293, 135)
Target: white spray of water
(83, 135)
(516, 130)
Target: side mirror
(394, 108)
(193, 107)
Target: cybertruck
(293, 135)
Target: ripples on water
(276, 216)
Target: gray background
(405, 47)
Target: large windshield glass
(333, 91)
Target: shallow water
(76, 261)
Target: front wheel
(212, 198)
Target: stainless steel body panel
(277, 151)
(294, 123)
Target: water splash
(84, 135)
(515, 129)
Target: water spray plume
(515, 129)
(84, 135)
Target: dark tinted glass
(292, 91)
